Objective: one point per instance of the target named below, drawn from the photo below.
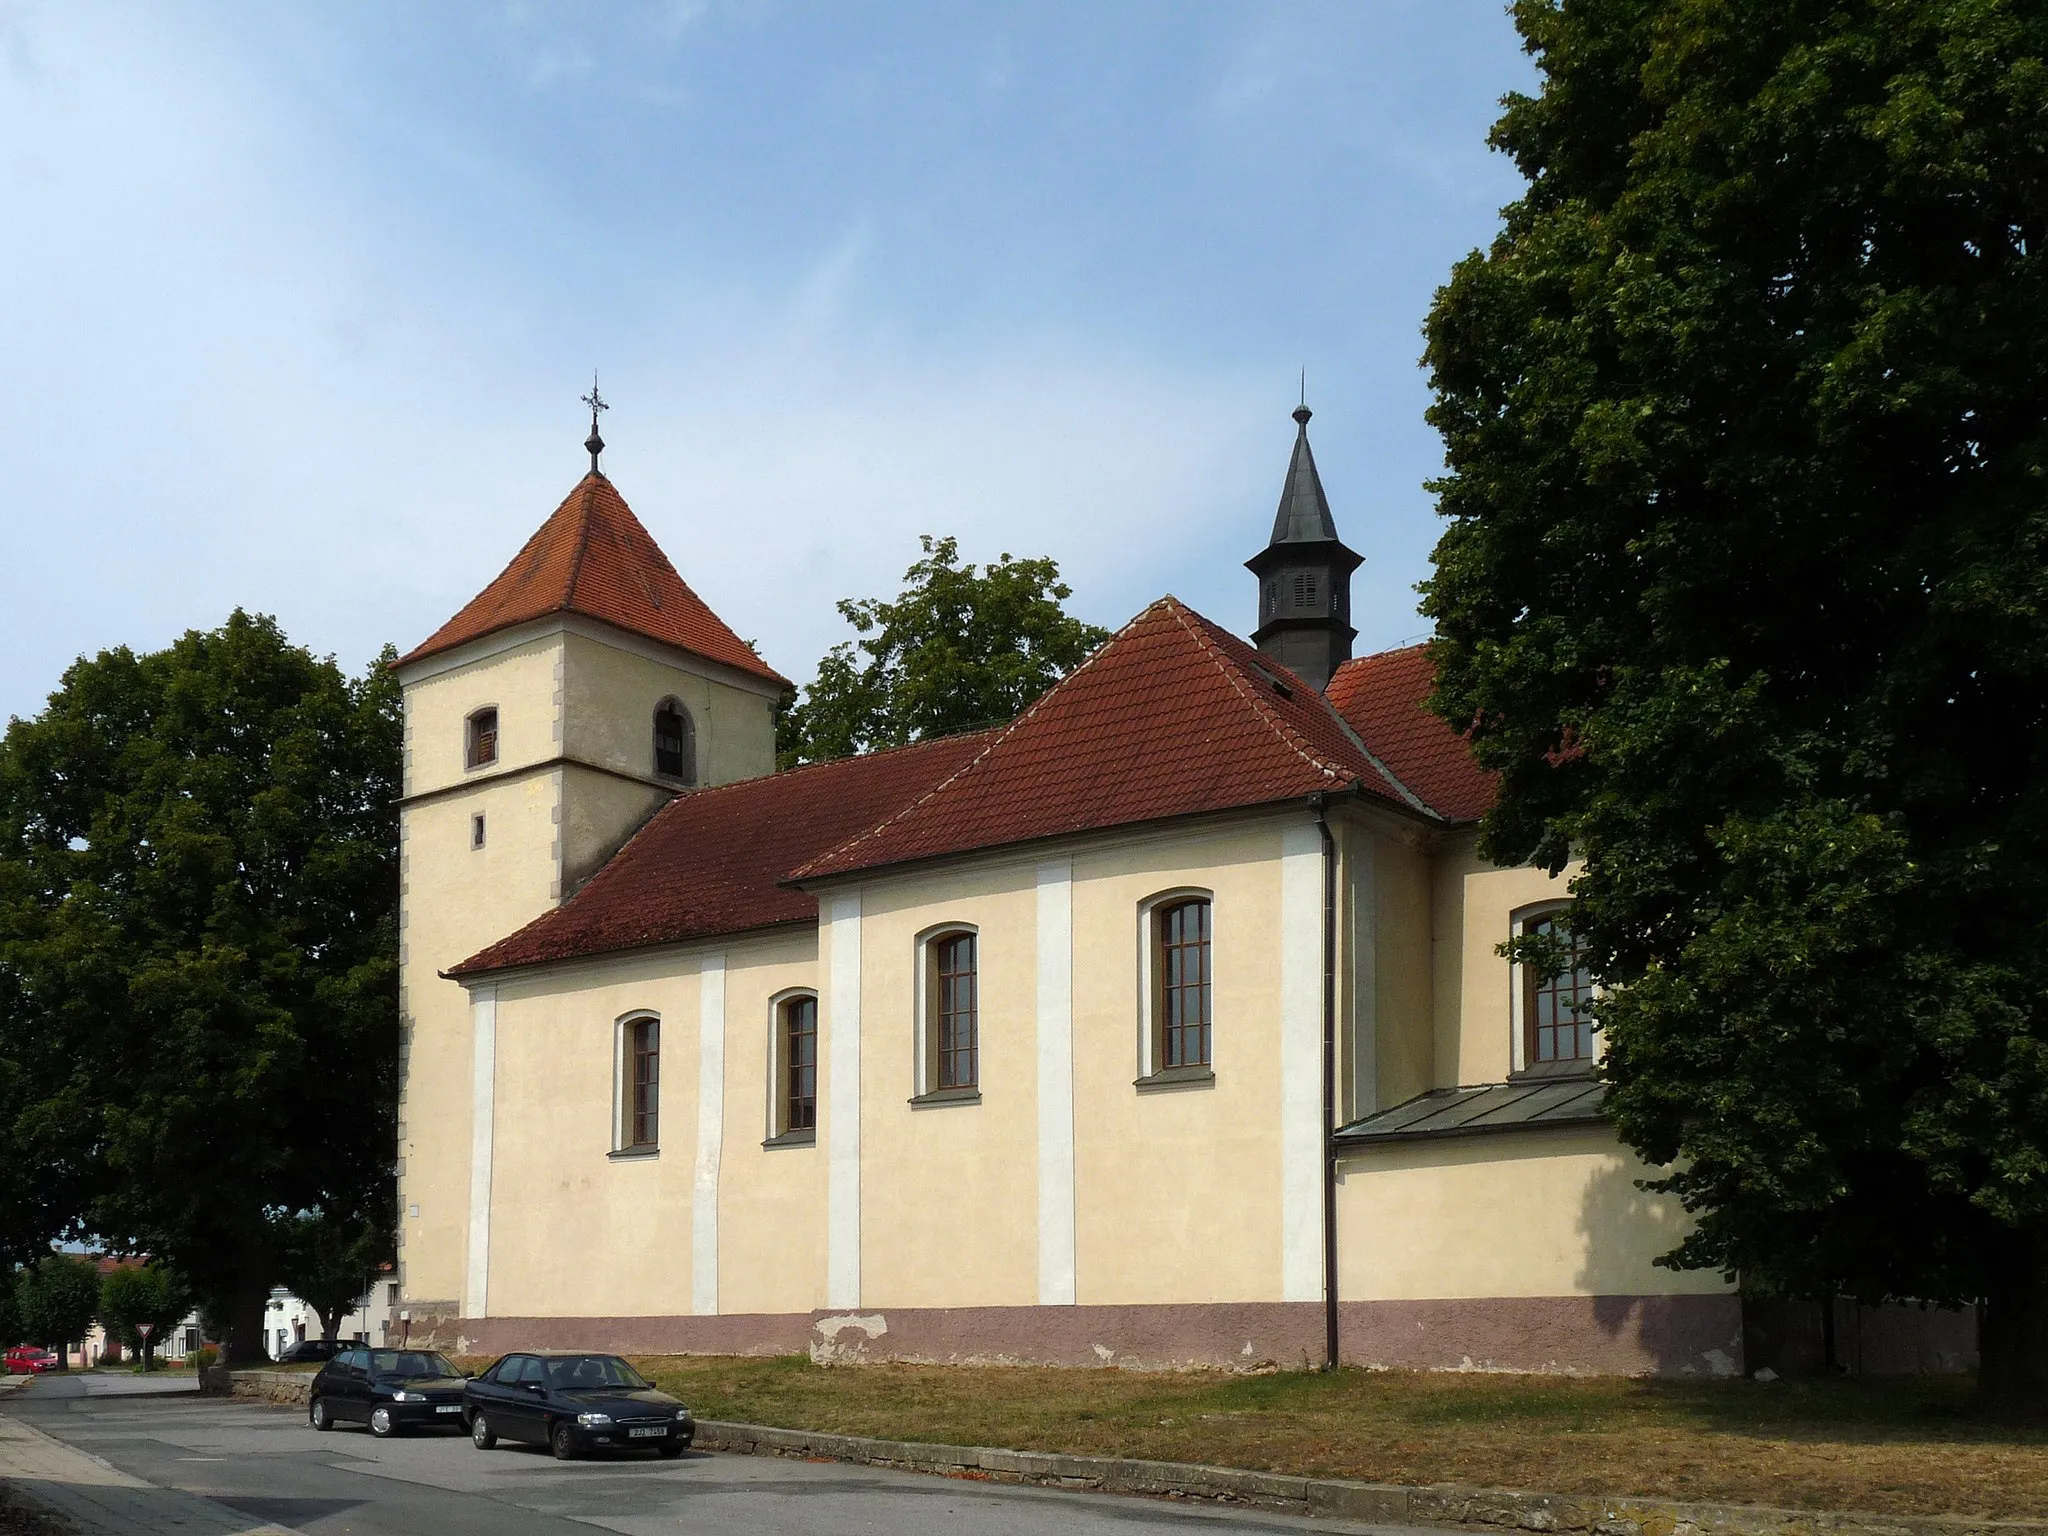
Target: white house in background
(288, 1320)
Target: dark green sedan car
(573, 1403)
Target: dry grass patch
(1904, 1447)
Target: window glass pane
(1184, 984)
(955, 997)
(644, 1037)
(1556, 1029)
(800, 1064)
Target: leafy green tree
(1743, 594)
(58, 1297)
(137, 1294)
(958, 649)
(198, 947)
(329, 1263)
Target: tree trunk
(2012, 1341)
(1830, 1355)
(247, 1319)
(330, 1323)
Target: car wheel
(563, 1441)
(318, 1415)
(481, 1435)
(670, 1451)
(382, 1424)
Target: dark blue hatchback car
(573, 1403)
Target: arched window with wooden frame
(793, 1070)
(675, 742)
(951, 1008)
(480, 737)
(1183, 983)
(639, 1083)
(1556, 1032)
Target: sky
(297, 301)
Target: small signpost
(145, 1330)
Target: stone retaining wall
(290, 1388)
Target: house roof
(1382, 697)
(711, 862)
(1482, 1108)
(593, 557)
(1172, 717)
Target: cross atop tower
(594, 444)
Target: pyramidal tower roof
(594, 557)
(1304, 515)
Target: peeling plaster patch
(828, 1346)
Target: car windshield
(581, 1373)
(409, 1362)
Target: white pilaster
(1301, 1055)
(1056, 1282)
(483, 1031)
(710, 1134)
(842, 1106)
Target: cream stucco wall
(523, 681)
(610, 694)
(1402, 937)
(1177, 1189)
(576, 1230)
(1474, 905)
(1178, 1194)
(949, 1191)
(456, 899)
(560, 693)
(1553, 1212)
(771, 1199)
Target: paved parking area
(262, 1469)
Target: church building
(1164, 1025)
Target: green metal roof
(1479, 1109)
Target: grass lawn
(1897, 1446)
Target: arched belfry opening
(675, 742)
(1304, 575)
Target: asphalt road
(270, 1465)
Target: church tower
(566, 703)
(1304, 575)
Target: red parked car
(27, 1360)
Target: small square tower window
(476, 830)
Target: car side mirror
(533, 1386)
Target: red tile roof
(1382, 697)
(593, 557)
(1173, 717)
(710, 862)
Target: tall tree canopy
(959, 648)
(1743, 593)
(198, 953)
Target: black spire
(1305, 574)
(594, 444)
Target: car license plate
(449, 1408)
(652, 1432)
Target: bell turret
(1305, 575)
